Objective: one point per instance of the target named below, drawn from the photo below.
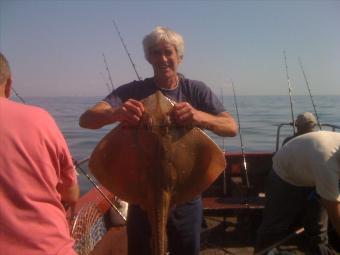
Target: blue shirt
(199, 95)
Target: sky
(55, 47)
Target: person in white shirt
(304, 169)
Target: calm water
(259, 118)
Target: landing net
(88, 227)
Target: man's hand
(184, 114)
(333, 211)
(130, 113)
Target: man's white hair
(163, 34)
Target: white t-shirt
(312, 159)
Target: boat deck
(224, 235)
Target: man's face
(164, 60)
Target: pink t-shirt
(34, 159)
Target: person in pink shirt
(37, 177)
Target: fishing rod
(139, 78)
(126, 50)
(222, 101)
(282, 241)
(309, 91)
(241, 140)
(290, 91)
(108, 72)
(77, 165)
(106, 83)
(223, 146)
(18, 96)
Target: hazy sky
(55, 47)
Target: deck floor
(223, 236)
(220, 236)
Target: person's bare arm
(103, 114)
(222, 124)
(97, 116)
(69, 195)
(333, 210)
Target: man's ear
(180, 60)
(8, 87)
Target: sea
(259, 118)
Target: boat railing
(330, 126)
(238, 196)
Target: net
(88, 227)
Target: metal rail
(331, 126)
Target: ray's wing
(126, 160)
(198, 161)
(123, 162)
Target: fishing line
(309, 91)
(241, 140)
(126, 50)
(290, 91)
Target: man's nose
(163, 57)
